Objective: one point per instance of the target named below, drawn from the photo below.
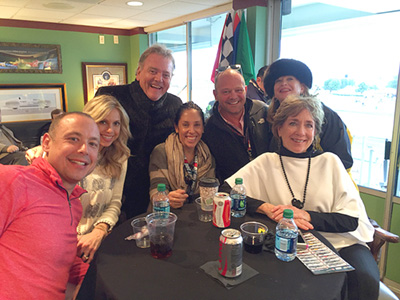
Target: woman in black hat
(292, 77)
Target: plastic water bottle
(238, 196)
(160, 199)
(286, 237)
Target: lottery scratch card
(319, 259)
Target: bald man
(40, 209)
(237, 130)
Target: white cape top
(330, 189)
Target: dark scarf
(310, 152)
(151, 122)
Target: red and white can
(222, 210)
(230, 253)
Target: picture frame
(31, 102)
(96, 75)
(30, 58)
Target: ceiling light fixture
(134, 3)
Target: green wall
(375, 207)
(76, 47)
(393, 263)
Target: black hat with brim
(286, 67)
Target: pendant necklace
(295, 202)
(191, 174)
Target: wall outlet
(116, 40)
(101, 39)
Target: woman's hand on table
(266, 209)
(89, 243)
(303, 224)
(301, 217)
(177, 198)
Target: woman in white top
(316, 187)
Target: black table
(123, 271)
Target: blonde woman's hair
(112, 157)
(292, 106)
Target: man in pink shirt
(40, 209)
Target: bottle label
(160, 209)
(238, 204)
(286, 245)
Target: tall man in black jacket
(151, 111)
(238, 129)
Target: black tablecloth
(123, 271)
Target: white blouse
(102, 203)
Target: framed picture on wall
(31, 102)
(30, 58)
(96, 75)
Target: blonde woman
(102, 204)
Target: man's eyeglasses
(236, 67)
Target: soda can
(222, 210)
(230, 253)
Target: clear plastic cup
(161, 228)
(139, 226)
(205, 215)
(253, 234)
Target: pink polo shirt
(38, 241)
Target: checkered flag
(234, 46)
(227, 53)
(226, 49)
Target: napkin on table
(211, 268)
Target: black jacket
(230, 149)
(150, 123)
(254, 92)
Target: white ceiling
(116, 14)
(102, 13)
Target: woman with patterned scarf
(183, 159)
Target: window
(354, 56)
(206, 34)
(204, 38)
(175, 39)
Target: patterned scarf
(175, 159)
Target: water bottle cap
(161, 187)
(239, 181)
(209, 182)
(288, 213)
